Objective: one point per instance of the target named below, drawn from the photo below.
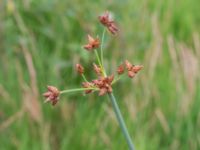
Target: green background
(40, 43)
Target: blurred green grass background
(40, 43)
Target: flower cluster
(52, 95)
(97, 69)
(92, 43)
(120, 69)
(103, 83)
(79, 69)
(106, 20)
(132, 69)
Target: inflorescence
(103, 83)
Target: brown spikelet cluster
(79, 69)
(106, 20)
(102, 83)
(52, 95)
(120, 69)
(97, 69)
(92, 43)
(131, 69)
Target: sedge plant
(103, 83)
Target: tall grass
(41, 40)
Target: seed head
(104, 84)
(92, 43)
(137, 68)
(132, 69)
(52, 95)
(97, 69)
(106, 20)
(120, 69)
(79, 69)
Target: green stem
(76, 90)
(121, 121)
(98, 59)
(99, 62)
(102, 42)
(84, 78)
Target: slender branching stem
(76, 90)
(102, 43)
(98, 59)
(84, 78)
(121, 121)
(100, 63)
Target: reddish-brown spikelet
(104, 19)
(112, 28)
(120, 69)
(52, 95)
(132, 69)
(131, 74)
(79, 69)
(108, 22)
(137, 68)
(97, 69)
(92, 43)
(128, 65)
